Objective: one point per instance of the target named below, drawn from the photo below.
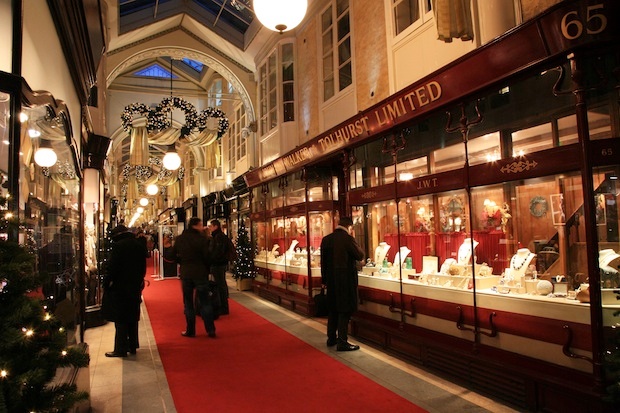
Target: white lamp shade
(144, 202)
(152, 189)
(280, 15)
(45, 157)
(171, 161)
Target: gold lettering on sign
(298, 156)
(427, 183)
(341, 136)
(408, 103)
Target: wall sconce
(172, 160)
(45, 155)
(280, 15)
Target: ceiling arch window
(336, 48)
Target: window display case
(287, 238)
(489, 238)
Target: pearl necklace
(513, 261)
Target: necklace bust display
(605, 258)
(399, 259)
(521, 260)
(381, 252)
(465, 253)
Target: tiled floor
(138, 383)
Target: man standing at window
(339, 256)
(219, 253)
(123, 284)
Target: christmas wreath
(158, 119)
(538, 206)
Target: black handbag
(320, 304)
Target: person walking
(339, 255)
(219, 253)
(191, 251)
(123, 285)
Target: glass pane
(326, 19)
(452, 157)
(341, 6)
(567, 130)
(288, 92)
(405, 13)
(327, 42)
(344, 27)
(412, 169)
(536, 138)
(344, 51)
(289, 112)
(345, 78)
(484, 149)
(599, 123)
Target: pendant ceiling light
(45, 155)
(152, 189)
(280, 15)
(172, 160)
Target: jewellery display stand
(380, 253)
(606, 259)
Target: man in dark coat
(339, 256)
(219, 253)
(191, 250)
(123, 286)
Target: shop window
(449, 158)
(413, 168)
(336, 49)
(485, 148)
(532, 139)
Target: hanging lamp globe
(152, 189)
(280, 15)
(172, 160)
(45, 157)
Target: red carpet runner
(254, 365)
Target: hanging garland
(538, 206)
(158, 119)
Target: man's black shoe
(211, 334)
(115, 354)
(331, 342)
(132, 351)
(347, 347)
(186, 334)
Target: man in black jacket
(191, 250)
(123, 284)
(339, 256)
(219, 252)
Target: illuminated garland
(158, 118)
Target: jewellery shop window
(420, 240)
(606, 195)
(49, 194)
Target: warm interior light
(139, 210)
(172, 160)
(45, 155)
(144, 202)
(152, 189)
(280, 15)
(405, 176)
(34, 133)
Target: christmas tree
(244, 265)
(33, 343)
